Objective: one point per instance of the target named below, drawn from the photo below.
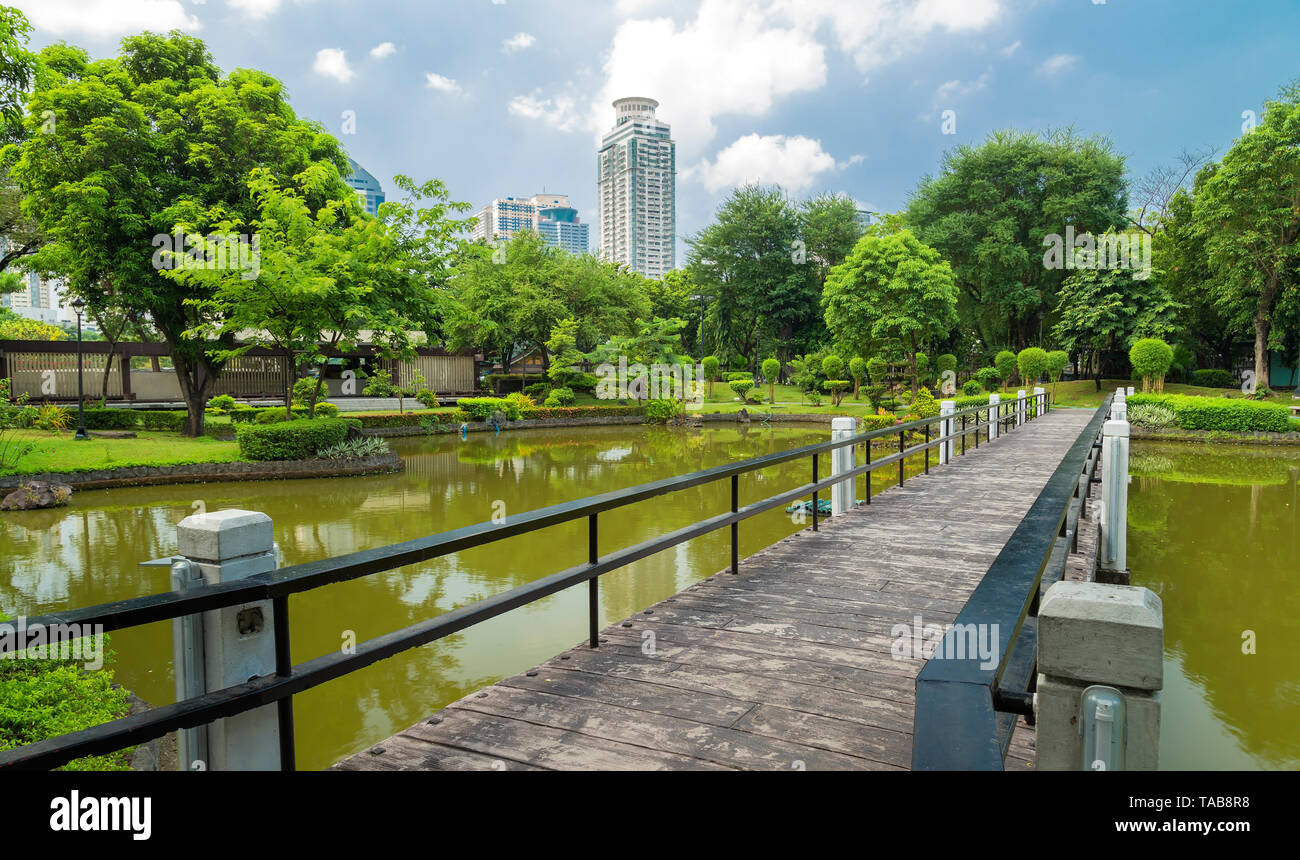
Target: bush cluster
(1213, 378)
(292, 440)
(1219, 413)
(111, 419)
(483, 408)
(156, 420)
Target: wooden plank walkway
(787, 666)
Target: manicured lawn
(1083, 392)
(62, 453)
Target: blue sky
(507, 97)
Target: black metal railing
(965, 709)
(278, 585)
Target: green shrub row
(1213, 379)
(156, 420)
(543, 412)
(400, 419)
(483, 408)
(292, 440)
(110, 419)
(1220, 413)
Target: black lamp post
(78, 306)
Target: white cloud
(1056, 64)
(104, 19)
(518, 42)
(332, 63)
(949, 90)
(383, 49)
(738, 58)
(794, 163)
(877, 32)
(730, 59)
(1011, 49)
(441, 84)
(557, 111)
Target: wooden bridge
(796, 662)
(810, 655)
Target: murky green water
(89, 553)
(1215, 531)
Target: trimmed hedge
(291, 440)
(877, 422)
(482, 408)
(1220, 413)
(110, 419)
(154, 420)
(400, 419)
(544, 412)
(1213, 379)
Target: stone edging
(1217, 437)
(129, 476)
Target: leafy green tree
(15, 327)
(858, 370)
(742, 387)
(565, 356)
(748, 265)
(1248, 211)
(1151, 358)
(1057, 359)
(1103, 311)
(676, 296)
(990, 208)
(1005, 362)
(831, 228)
(1032, 363)
(152, 139)
(894, 289)
(710, 366)
(771, 370)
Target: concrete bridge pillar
(230, 646)
(946, 407)
(1020, 407)
(1101, 669)
(995, 415)
(842, 462)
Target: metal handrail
(964, 713)
(278, 585)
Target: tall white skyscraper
(638, 179)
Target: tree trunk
(196, 379)
(1261, 348)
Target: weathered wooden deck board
(787, 666)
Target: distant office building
(38, 300)
(550, 216)
(636, 173)
(366, 186)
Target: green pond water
(1215, 531)
(89, 553)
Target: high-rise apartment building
(548, 215)
(636, 173)
(366, 186)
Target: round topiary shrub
(970, 388)
(1151, 358)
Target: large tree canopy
(753, 265)
(892, 291)
(1247, 210)
(990, 208)
(152, 139)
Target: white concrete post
(1119, 410)
(1114, 495)
(1040, 401)
(1020, 407)
(1119, 393)
(946, 407)
(1092, 634)
(842, 461)
(238, 641)
(1130, 391)
(995, 415)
